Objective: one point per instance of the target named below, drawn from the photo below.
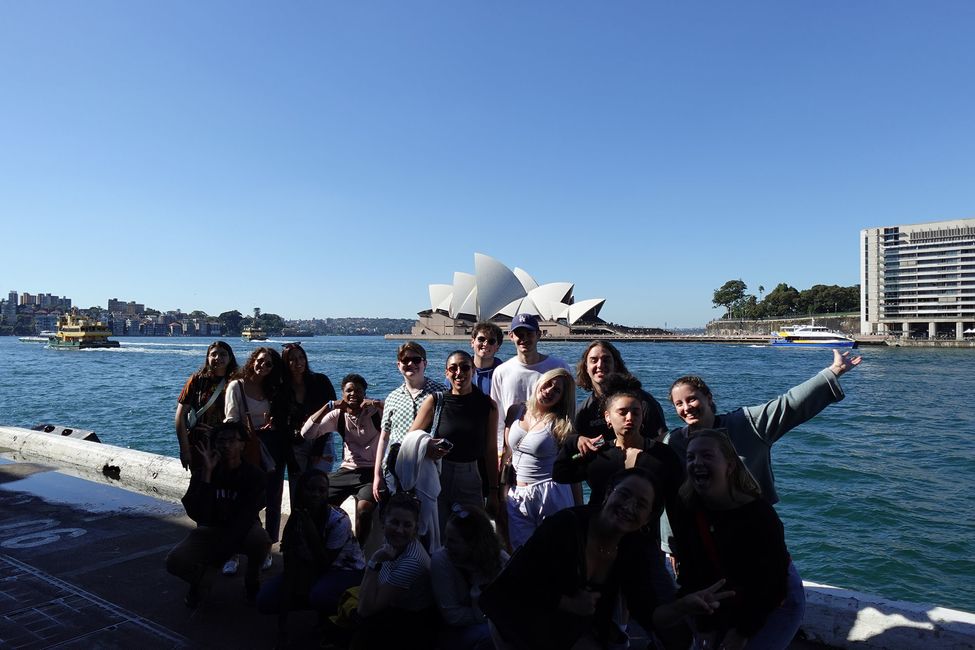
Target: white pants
(528, 505)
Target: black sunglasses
(484, 339)
(408, 360)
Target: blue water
(877, 491)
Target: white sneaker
(230, 568)
(267, 563)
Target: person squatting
(470, 526)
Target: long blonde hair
(563, 411)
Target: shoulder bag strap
(437, 410)
(213, 398)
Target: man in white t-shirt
(514, 379)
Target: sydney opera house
(496, 293)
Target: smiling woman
(461, 440)
(531, 440)
(562, 588)
(724, 530)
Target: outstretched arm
(843, 363)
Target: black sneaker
(192, 598)
(250, 592)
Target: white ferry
(811, 336)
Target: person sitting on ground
(357, 421)
(396, 604)
(724, 530)
(486, 340)
(399, 411)
(562, 588)
(224, 500)
(200, 404)
(599, 360)
(469, 560)
(321, 556)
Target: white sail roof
(495, 290)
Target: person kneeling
(321, 555)
(224, 500)
(396, 600)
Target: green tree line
(784, 301)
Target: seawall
(835, 617)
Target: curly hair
(477, 532)
(583, 380)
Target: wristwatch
(372, 565)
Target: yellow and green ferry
(77, 333)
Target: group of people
(487, 538)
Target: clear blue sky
(334, 158)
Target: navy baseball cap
(528, 321)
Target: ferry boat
(811, 336)
(77, 333)
(254, 333)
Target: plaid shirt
(400, 409)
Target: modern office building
(918, 280)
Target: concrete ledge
(129, 469)
(835, 617)
(841, 618)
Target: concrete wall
(835, 617)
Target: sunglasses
(455, 368)
(484, 339)
(460, 511)
(408, 360)
(291, 346)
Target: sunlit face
(599, 364)
(263, 364)
(624, 415)
(485, 346)
(217, 360)
(459, 372)
(353, 394)
(525, 339)
(458, 550)
(411, 365)
(297, 361)
(707, 468)
(692, 406)
(399, 528)
(548, 394)
(629, 507)
(315, 492)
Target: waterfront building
(496, 293)
(918, 280)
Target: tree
(199, 315)
(231, 321)
(271, 323)
(781, 301)
(729, 295)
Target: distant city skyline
(334, 159)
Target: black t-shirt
(591, 422)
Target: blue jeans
(783, 623)
(322, 597)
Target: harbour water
(877, 491)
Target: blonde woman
(531, 440)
